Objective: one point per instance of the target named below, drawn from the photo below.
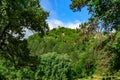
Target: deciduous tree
(106, 12)
(15, 17)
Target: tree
(105, 12)
(83, 27)
(15, 17)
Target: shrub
(84, 67)
(54, 66)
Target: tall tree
(106, 12)
(15, 17)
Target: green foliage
(79, 52)
(84, 67)
(54, 66)
(54, 41)
(116, 50)
(15, 17)
(77, 56)
(8, 71)
(105, 12)
(72, 45)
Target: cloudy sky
(62, 15)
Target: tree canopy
(105, 12)
(15, 17)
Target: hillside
(89, 55)
(67, 54)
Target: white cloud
(53, 23)
(52, 20)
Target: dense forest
(90, 52)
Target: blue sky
(62, 15)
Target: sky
(62, 15)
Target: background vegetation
(91, 51)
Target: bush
(84, 67)
(9, 72)
(115, 48)
(54, 66)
